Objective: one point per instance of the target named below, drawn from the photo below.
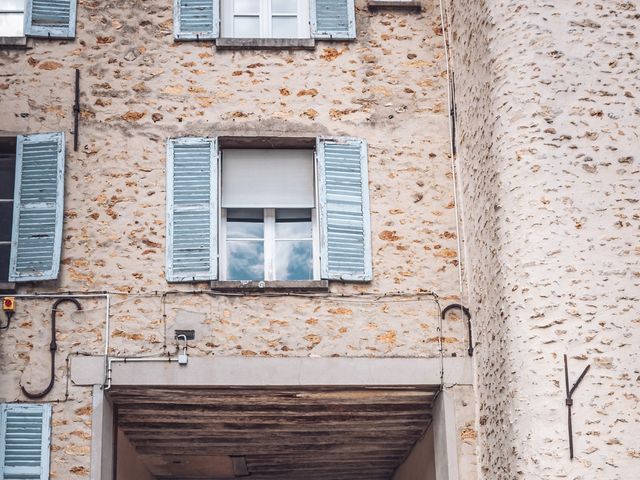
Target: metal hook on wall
(467, 313)
(53, 346)
(569, 399)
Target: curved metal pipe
(467, 313)
(53, 346)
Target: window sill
(271, 286)
(18, 43)
(265, 43)
(408, 4)
(7, 287)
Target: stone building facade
(547, 264)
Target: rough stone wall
(139, 87)
(548, 117)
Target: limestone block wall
(548, 117)
(138, 88)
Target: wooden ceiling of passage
(278, 433)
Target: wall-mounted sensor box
(9, 304)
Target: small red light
(9, 303)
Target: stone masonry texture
(548, 135)
(138, 88)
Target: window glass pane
(245, 223)
(279, 7)
(284, 27)
(246, 7)
(6, 215)
(246, 27)
(293, 223)
(294, 260)
(245, 260)
(11, 24)
(5, 253)
(7, 175)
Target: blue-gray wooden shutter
(50, 18)
(25, 435)
(192, 209)
(36, 235)
(333, 19)
(345, 224)
(196, 19)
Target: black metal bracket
(569, 400)
(76, 112)
(467, 313)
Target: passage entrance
(295, 433)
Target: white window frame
(8, 11)
(265, 15)
(269, 234)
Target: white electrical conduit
(110, 361)
(453, 149)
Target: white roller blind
(267, 179)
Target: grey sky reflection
(245, 260)
(294, 260)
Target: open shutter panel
(51, 18)
(344, 209)
(196, 19)
(192, 184)
(38, 208)
(24, 441)
(333, 19)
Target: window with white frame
(25, 441)
(265, 18)
(31, 206)
(37, 18)
(287, 213)
(12, 18)
(7, 179)
(268, 219)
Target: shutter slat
(196, 19)
(333, 19)
(192, 182)
(344, 209)
(24, 441)
(38, 205)
(51, 18)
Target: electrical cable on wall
(53, 347)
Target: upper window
(12, 18)
(38, 18)
(31, 204)
(260, 19)
(267, 214)
(265, 18)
